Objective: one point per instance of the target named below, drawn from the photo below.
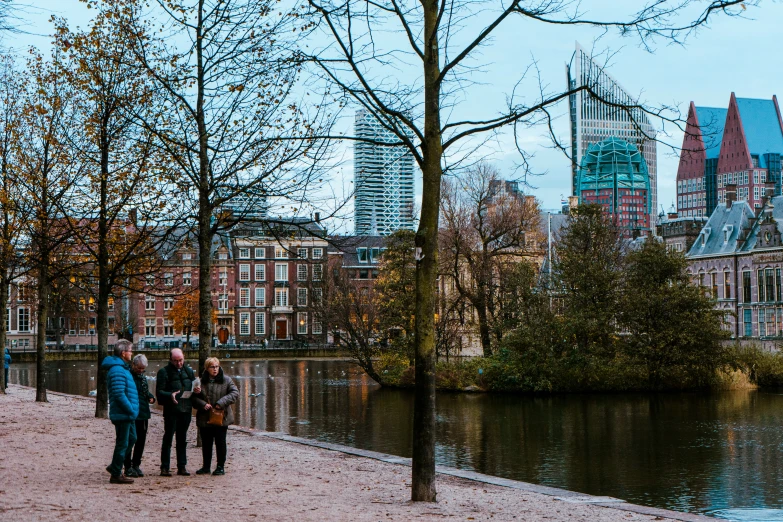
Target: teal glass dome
(616, 165)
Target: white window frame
(244, 272)
(260, 323)
(260, 270)
(260, 253)
(168, 303)
(23, 313)
(317, 328)
(318, 295)
(301, 323)
(244, 297)
(168, 279)
(318, 272)
(244, 323)
(281, 272)
(301, 272)
(301, 297)
(318, 253)
(281, 253)
(149, 323)
(301, 253)
(168, 328)
(187, 256)
(260, 296)
(244, 253)
(281, 296)
(187, 278)
(222, 301)
(149, 302)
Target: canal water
(720, 454)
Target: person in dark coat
(218, 391)
(135, 452)
(175, 379)
(123, 406)
(7, 366)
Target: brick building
(741, 145)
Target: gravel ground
(53, 455)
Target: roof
(762, 127)
(721, 234)
(347, 246)
(712, 120)
(613, 161)
(776, 205)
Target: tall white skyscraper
(383, 180)
(593, 120)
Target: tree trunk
(43, 316)
(104, 286)
(423, 465)
(204, 210)
(4, 284)
(484, 333)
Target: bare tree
(45, 172)
(372, 46)
(120, 211)
(485, 226)
(233, 127)
(347, 307)
(11, 101)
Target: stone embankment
(53, 455)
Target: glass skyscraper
(611, 112)
(383, 180)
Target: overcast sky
(730, 55)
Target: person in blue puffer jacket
(7, 366)
(123, 406)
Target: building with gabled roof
(741, 145)
(738, 259)
(699, 161)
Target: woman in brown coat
(218, 391)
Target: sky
(740, 55)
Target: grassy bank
(507, 372)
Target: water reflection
(717, 453)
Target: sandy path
(53, 457)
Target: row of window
(690, 185)
(691, 200)
(742, 178)
(281, 272)
(168, 279)
(281, 297)
(259, 322)
(280, 253)
(769, 321)
(768, 283)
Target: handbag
(216, 417)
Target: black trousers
(218, 435)
(175, 423)
(135, 452)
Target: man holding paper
(176, 382)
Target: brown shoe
(120, 479)
(165, 473)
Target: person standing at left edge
(123, 406)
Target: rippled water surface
(718, 454)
